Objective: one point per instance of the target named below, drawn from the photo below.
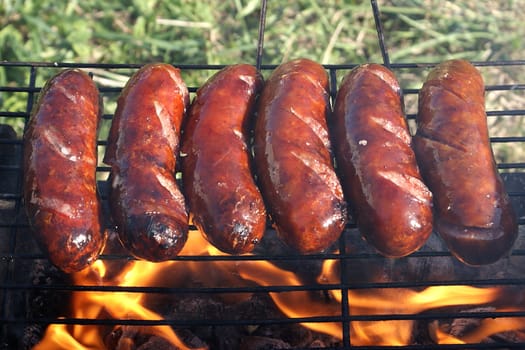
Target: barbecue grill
(26, 279)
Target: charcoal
(293, 334)
(41, 302)
(135, 338)
(509, 337)
(192, 306)
(190, 339)
(259, 306)
(461, 326)
(31, 336)
(262, 343)
(156, 343)
(318, 343)
(140, 338)
(225, 338)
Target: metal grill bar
(10, 286)
(275, 258)
(254, 321)
(260, 39)
(380, 33)
(345, 66)
(487, 282)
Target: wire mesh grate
(19, 250)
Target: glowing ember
(116, 305)
(324, 308)
(486, 328)
(366, 302)
(397, 301)
(293, 304)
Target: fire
(486, 328)
(370, 302)
(406, 301)
(320, 310)
(293, 304)
(98, 305)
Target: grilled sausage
(146, 203)
(293, 157)
(224, 201)
(473, 212)
(60, 160)
(376, 163)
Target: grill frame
(9, 286)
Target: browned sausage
(146, 203)
(378, 169)
(293, 157)
(60, 160)
(473, 212)
(218, 183)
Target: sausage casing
(474, 215)
(293, 157)
(146, 203)
(224, 201)
(378, 169)
(60, 160)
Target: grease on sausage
(146, 203)
(378, 169)
(60, 160)
(293, 157)
(224, 201)
(474, 215)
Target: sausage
(146, 203)
(60, 160)
(473, 212)
(293, 157)
(376, 162)
(224, 201)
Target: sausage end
(478, 246)
(153, 237)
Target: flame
(322, 305)
(293, 304)
(386, 301)
(398, 301)
(93, 305)
(486, 328)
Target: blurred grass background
(221, 32)
(225, 32)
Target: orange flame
(294, 303)
(486, 328)
(391, 301)
(115, 305)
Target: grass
(225, 32)
(462, 29)
(222, 32)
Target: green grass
(225, 32)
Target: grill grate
(18, 252)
